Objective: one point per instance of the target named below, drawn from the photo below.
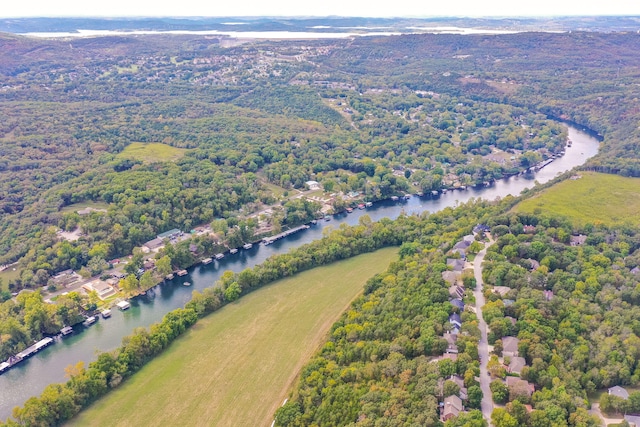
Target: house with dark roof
(458, 303)
(455, 320)
(618, 391)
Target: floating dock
(233, 251)
(182, 273)
(106, 314)
(207, 260)
(247, 246)
(89, 321)
(219, 256)
(66, 330)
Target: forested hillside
(567, 295)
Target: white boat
(186, 284)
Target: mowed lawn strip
(594, 198)
(236, 366)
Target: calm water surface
(31, 376)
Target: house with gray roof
(510, 346)
(455, 264)
(516, 365)
(618, 391)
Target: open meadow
(151, 152)
(236, 366)
(594, 198)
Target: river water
(31, 376)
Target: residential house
(501, 290)
(455, 264)
(103, 289)
(463, 244)
(456, 291)
(451, 408)
(458, 303)
(577, 240)
(548, 295)
(618, 391)
(152, 245)
(534, 264)
(516, 365)
(460, 382)
(519, 387)
(469, 238)
(529, 229)
(633, 420)
(481, 228)
(452, 339)
(451, 277)
(171, 234)
(455, 320)
(312, 185)
(510, 346)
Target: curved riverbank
(30, 378)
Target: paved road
(483, 347)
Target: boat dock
(207, 261)
(182, 273)
(26, 353)
(219, 256)
(269, 240)
(66, 330)
(123, 305)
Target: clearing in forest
(151, 152)
(590, 197)
(236, 366)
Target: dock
(123, 305)
(89, 321)
(169, 276)
(106, 314)
(247, 246)
(26, 353)
(66, 330)
(269, 240)
(182, 273)
(219, 256)
(207, 261)
(233, 251)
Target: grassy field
(236, 366)
(88, 204)
(151, 152)
(7, 276)
(595, 198)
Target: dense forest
(451, 111)
(249, 124)
(573, 308)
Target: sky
(368, 8)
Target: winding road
(483, 345)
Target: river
(30, 377)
